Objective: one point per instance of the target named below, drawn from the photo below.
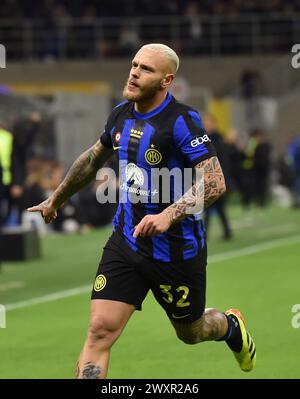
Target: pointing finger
(36, 208)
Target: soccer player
(155, 245)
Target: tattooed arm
(82, 172)
(207, 193)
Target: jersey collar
(155, 111)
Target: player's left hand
(151, 225)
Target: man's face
(147, 74)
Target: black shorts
(123, 275)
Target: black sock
(233, 337)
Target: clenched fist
(151, 225)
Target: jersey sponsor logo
(132, 180)
(100, 282)
(134, 175)
(116, 147)
(200, 140)
(136, 133)
(153, 156)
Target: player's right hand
(48, 211)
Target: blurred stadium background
(66, 65)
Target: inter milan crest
(153, 156)
(100, 282)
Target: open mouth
(132, 84)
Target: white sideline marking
(212, 259)
(49, 298)
(253, 249)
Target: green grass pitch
(258, 272)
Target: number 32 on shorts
(181, 303)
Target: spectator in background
(81, 212)
(293, 159)
(129, 39)
(52, 36)
(2, 187)
(98, 214)
(256, 169)
(236, 156)
(250, 83)
(95, 214)
(251, 89)
(248, 181)
(35, 189)
(42, 178)
(72, 217)
(24, 130)
(9, 167)
(1, 199)
(194, 29)
(219, 206)
(262, 166)
(36, 182)
(86, 32)
(6, 149)
(55, 174)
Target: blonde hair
(167, 51)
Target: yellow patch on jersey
(100, 283)
(153, 156)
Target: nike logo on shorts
(180, 317)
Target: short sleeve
(191, 138)
(105, 138)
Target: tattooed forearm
(178, 210)
(91, 371)
(207, 193)
(81, 173)
(214, 182)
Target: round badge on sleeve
(100, 282)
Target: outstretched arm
(209, 192)
(82, 172)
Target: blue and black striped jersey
(171, 136)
